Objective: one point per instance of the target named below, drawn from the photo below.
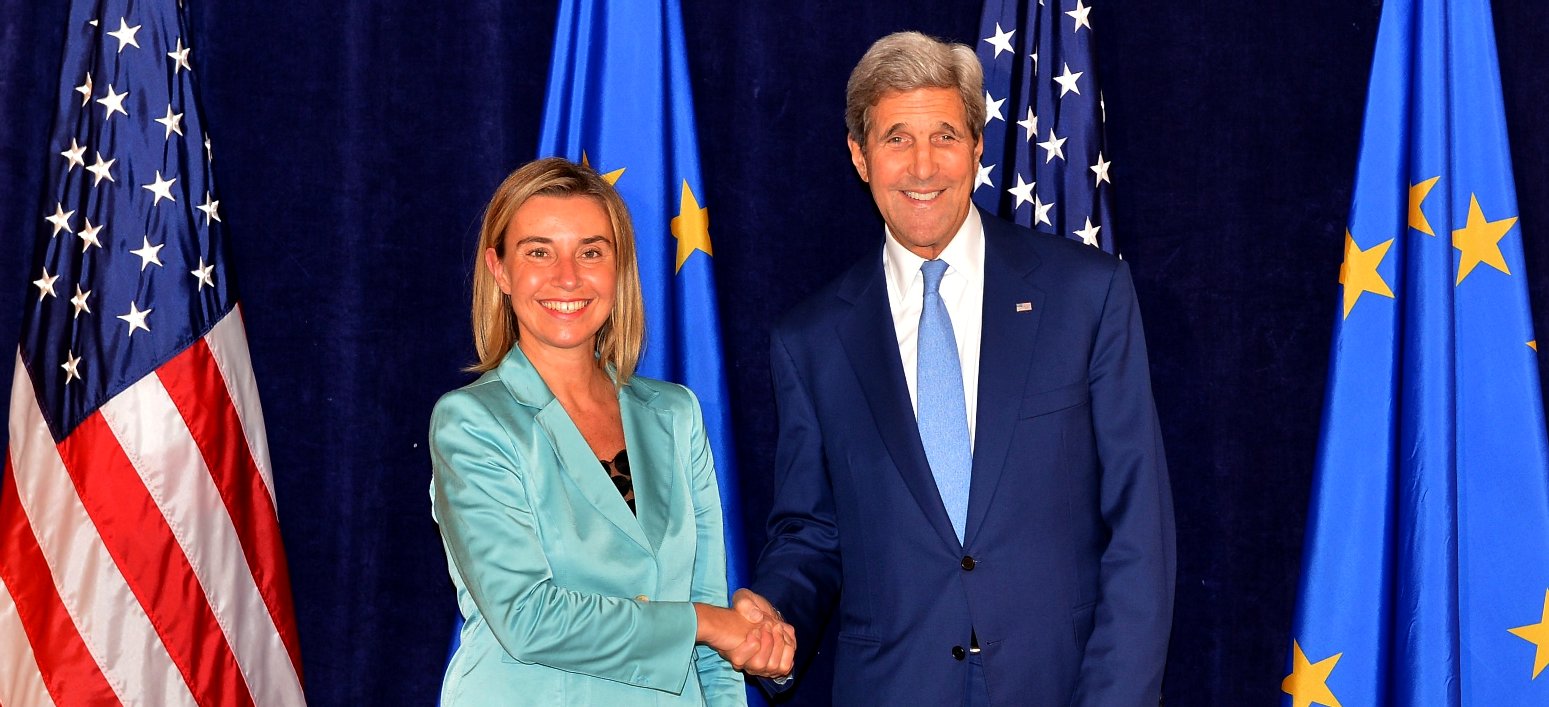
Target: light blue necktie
(943, 414)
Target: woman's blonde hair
(622, 336)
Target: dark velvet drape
(354, 144)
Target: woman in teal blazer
(578, 502)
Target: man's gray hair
(905, 61)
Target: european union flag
(1425, 578)
(619, 100)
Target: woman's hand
(764, 646)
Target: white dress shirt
(962, 290)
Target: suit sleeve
(1127, 649)
(799, 571)
(487, 525)
(721, 684)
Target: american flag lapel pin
(1024, 306)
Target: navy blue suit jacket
(1070, 529)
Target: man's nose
(922, 163)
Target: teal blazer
(569, 598)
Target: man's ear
(492, 261)
(858, 158)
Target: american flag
(1044, 164)
(140, 552)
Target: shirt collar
(964, 254)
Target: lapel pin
(1024, 306)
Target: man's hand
(775, 652)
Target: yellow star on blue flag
(691, 227)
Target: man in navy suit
(970, 467)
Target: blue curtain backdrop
(356, 142)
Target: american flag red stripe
(193, 381)
(151, 559)
(65, 665)
(109, 620)
(139, 475)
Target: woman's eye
(537, 253)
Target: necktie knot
(933, 270)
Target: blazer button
(968, 563)
(642, 598)
(958, 653)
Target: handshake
(750, 635)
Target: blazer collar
(648, 436)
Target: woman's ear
(492, 261)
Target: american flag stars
(1029, 125)
(1088, 234)
(71, 366)
(161, 188)
(173, 122)
(1101, 170)
(1068, 81)
(60, 220)
(88, 236)
(75, 156)
(79, 301)
(211, 209)
(1002, 40)
(125, 35)
(1080, 15)
(983, 177)
(148, 254)
(134, 88)
(1056, 172)
(135, 318)
(1023, 192)
(103, 169)
(1053, 147)
(85, 90)
(1041, 211)
(179, 58)
(45, 285)
(992, 108)
(113, 102)
(205, 274)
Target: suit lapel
(1005, 350)
(653, 456)
(576, 460)
(872, 346)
